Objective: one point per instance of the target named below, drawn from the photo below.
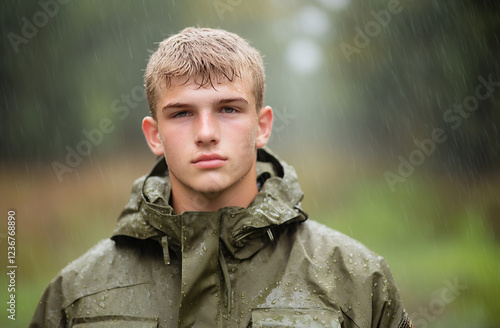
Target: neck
(240, 194)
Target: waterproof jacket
(261, 266)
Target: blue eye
(181, 114)
(228, 110)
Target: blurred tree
(413, 65)
(79, 66)
(394, 84)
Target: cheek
(246, 133)
(173, 136)
(171, 144)
(244, 141)
(251, 139)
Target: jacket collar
(244, 231)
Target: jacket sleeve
(388, 310)
(49, 312)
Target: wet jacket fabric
(261, 266)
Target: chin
(213, 183)
(208, 189)
(211, 194)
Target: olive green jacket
(261, 266)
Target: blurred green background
(359, 89)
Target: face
(209, 136)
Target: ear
(265, 125)
(150, 129)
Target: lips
(209, 161)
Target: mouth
(209, 161)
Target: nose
(207, 129)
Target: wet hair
(206, 55)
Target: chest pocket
(290, 317)
(117, 321)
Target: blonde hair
(207, 55)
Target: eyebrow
(215, 102)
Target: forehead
(179, 86)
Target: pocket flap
(291, 317)
(115, 321)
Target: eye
(228, 110)
(181, 114)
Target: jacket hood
(244, 231)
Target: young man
(214, 235)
